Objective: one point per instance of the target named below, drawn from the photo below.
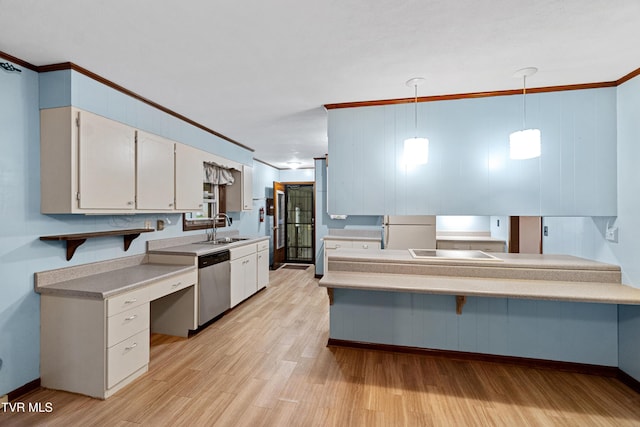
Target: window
(214, 202)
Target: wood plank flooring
(266, 363)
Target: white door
(189, 178)
(106, 163)
(154, 172)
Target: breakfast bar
(550, 307)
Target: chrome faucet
(211, 236)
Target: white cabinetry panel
(154, 172)
(189, 177)
(106, 163)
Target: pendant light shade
(525, 144)
(416, 150)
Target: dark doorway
(299, 223)
(279, 224)
(525, 234)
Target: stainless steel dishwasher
(214, 285)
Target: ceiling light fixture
(416, 150)
(524, 144)
(294, 164)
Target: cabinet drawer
(242, 251)
(336, 244)
(127, 301)
(169, 285)
(365, 245)
(125, 324)
(125, 358)
(263, 246)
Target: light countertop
(609, 293)
(107, 283)
(505, 260)
(197, 248)
(528, 276)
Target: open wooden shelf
(75, 240)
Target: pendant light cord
(416, 110)
(524, 102)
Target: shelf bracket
(72, 245)
(330, 293)
(128, 238)
(460, 302)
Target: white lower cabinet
(244, 280)
(97, 346)
(333, 244)
(263, 264)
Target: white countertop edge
(198, 249)
(74, 287)
(359, 238)
(606, 293)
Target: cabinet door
(250, 275)
(106, 164)
(237, 281)
(189, 174)
(263, 269)
(247, 188)
(154, 172)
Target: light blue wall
(584, 236)
(469, 172)
(21, 224)
(68, 87)
(550, 330)
(297, 175)
(324, 221)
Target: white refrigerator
(409, 232)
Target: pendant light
(416, 150)
(524, 144)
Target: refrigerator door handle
(385, 240)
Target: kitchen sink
(222, 241)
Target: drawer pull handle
(131, 301)
(135, 316)
(175, 285)
(365, 246)
(131, 347)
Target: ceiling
(260, 71)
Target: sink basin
(212, 242)
(222, 241)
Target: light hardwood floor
(266, 364)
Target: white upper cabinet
(90, 164)
(240, 193)
(106, 163)
(87, 163)
(155, 172)
(189, 178)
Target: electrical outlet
(612, 234)
(147, 225)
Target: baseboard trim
(21, 391)
(580, 368)
(629, 381)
